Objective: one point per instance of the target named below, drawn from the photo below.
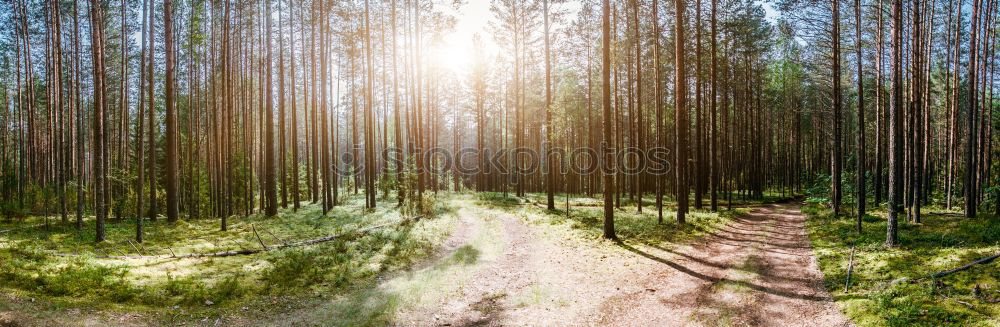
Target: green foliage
(80, 279)
(415, 204)
(18, 264)
(992, 198)
(496, 199)
(296, 268)
(191, 291)
(12, 209)
(32, 270)
(425, 205)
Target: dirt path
(757, 270)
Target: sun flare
(452, 54)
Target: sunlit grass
(630, 225)
(940, 242)
(62, 265)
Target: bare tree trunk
(550, 176)
(369, 116)
(837, 151)
(861, 189)
(270, 186)
(282, 141)
(953, 108)
(970, 148)
(895, 127)
(714, 152)
(661, 181)
(609, 180)
(680, 113)
(97, 51)
(879, 106)
(171, 113)
(294, 126)
(141, 128)
(80, 199)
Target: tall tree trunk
(953, 109)
(879, 106)
(171, 113)
(640, 133)
(294, 125)
(661, 180)
(609, 179)
(970, 148)
(80, 143)
(680, 113)
(837, 154)
(282, 141)
(369, 116)
(141, 127)
(714, 152)
(313, 107)
(861, 161)
(916, 87)
(97, 51)
(895, 127)
(549, 175)
(270, 186)
(697, 170)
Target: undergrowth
(886, 289)
(62, 266)
(630, 225)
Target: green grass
(59, 265)
(940, 242)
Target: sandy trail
(757, 270)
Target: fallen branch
(258, 237)
(982, 261)
(275, 237)
(115, 247)
(850, 268)
(134, 247)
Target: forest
(499, 162)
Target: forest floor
(494, 260)
(890, 287)
(528, 267)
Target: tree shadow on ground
(714, 279)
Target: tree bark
(860, 188)
(609, 181)
(97, 52)
(680, 113)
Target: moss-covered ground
(887, 288)
(60, 267)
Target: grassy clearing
(940, 242)
(377, 304)
(58, 265)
